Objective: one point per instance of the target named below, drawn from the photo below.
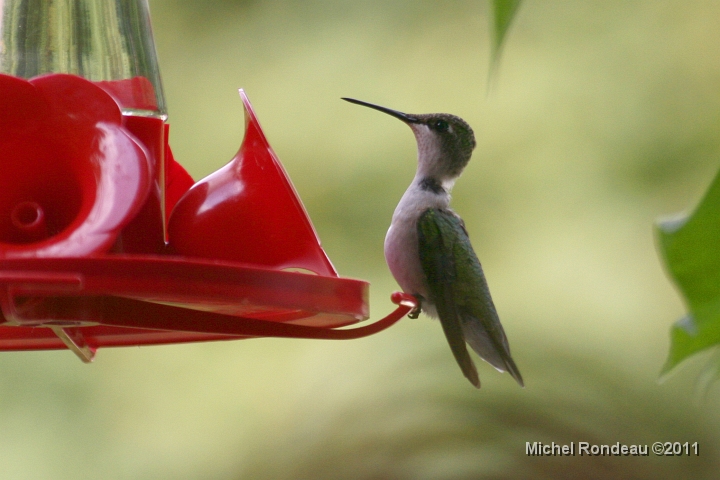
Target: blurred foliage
(605, 115)
(503, 13)
(689, 245)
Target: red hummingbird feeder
(105, 240)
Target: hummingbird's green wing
(458, 288)
(438, 263)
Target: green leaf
(690, 246)
(503, 14)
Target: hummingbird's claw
(415, 312)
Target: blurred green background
(601, 117)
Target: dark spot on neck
(430, 184)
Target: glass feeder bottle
(104, 41)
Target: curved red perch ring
(122, 300)
(129, 313)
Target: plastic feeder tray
(238, 239)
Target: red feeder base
(123, 300)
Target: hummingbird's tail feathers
(454, 334)
(470, 373)
(496, 354)
(513, 370)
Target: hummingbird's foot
(415, 312)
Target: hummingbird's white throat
(432, 160)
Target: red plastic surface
(177, 180)
(123, 300)
(146, 232)
(200, 286)
(248, 211)
(71, 176)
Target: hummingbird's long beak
(402, 116)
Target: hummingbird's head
(445, 142)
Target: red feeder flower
(73, 176)
(248, 211)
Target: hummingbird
(428, 250)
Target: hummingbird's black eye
(440, 125)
